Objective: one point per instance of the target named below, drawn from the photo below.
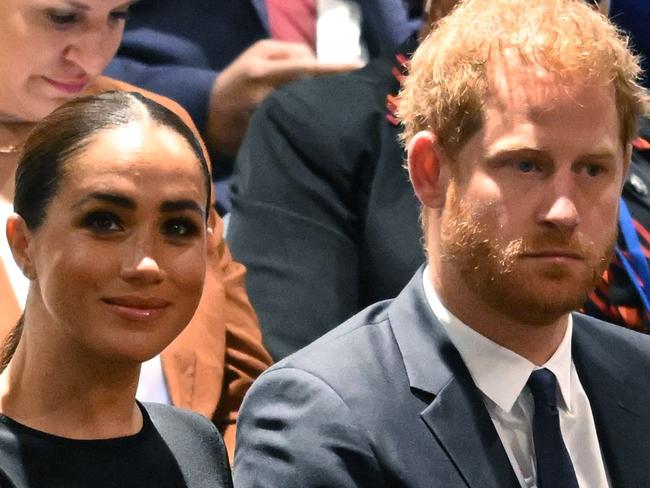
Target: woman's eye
(103, 223)
(180, 228)
(526, 166)
(120, 15)
(61, 18)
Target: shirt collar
(498, 372)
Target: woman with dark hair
(111, 227)
(55, 51)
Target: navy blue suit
(634, 17)
(177, 48)
(385, 400)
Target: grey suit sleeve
(294, 431)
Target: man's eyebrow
(119, 200)
(600, 154)
(515, 149)
(176, 205)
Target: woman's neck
(55, 387)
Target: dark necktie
(554, 467)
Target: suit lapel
(456, 417)
(618, 403)
(459, 421)
(260, 8)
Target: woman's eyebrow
(78, 5)
(81, 5)
(119, 200)
(176, 205)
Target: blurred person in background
(220, 58)
(322, 161)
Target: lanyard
(637, 266)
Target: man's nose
(560, 208)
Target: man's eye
(180, 228)
(103, 222)
(594, 169)
(526, 166)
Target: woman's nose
(142, 267)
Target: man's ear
(19, 237)
(425, 166)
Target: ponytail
(11, 343)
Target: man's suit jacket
(177, 48)
(385, 400)
(322, 162)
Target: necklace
(12, 136)
(9, 149)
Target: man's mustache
(575, 245)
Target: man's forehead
(515, 81)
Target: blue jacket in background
(633, 16)
(177, 48)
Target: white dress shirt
(501, 375)
(338, 32)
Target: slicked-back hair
(67, 131)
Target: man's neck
(536, 342)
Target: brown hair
(448, 77)
(69, 129)
(11, 343)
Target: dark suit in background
(323, 214)
(322, 162)
(406, 412)
(177, 48)
(634, 17)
